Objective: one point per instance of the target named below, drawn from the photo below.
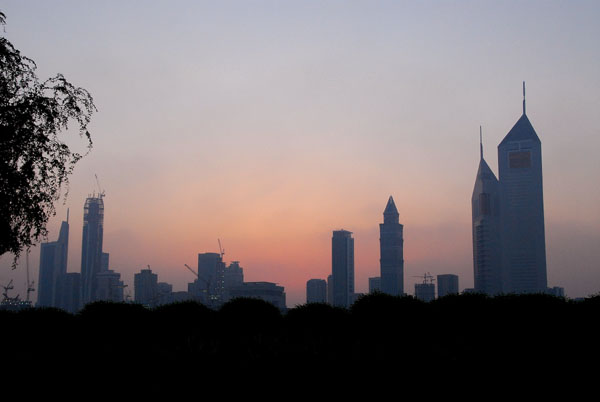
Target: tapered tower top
(390, 214)
(522, 130)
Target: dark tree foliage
(469, 338)
(34, 162)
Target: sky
(269, 124)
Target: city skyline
(270, 126)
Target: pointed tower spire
(523, 97)
(390, 214)
(391, 206)
(480, 143)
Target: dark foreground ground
(471, 336)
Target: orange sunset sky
(270, 124)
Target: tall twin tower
(509, 247)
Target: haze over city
(268, 125)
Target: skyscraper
(91, 247)
(391, 246)
(342, 267)
(509, 246)
(53, 264)
(523, 234)
(486, 229)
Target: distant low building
(145, 284)
(354, 297)
(266, 291)
(233, 275)
(109, 286)
(164, 293)
(374, 284)
(557, 291)
(425, 291)
(316, 291)
(15, 304)
(181, 296)
(447, 285)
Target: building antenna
(67, 215)
(480, 143)
(523, 97)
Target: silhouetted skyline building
(447, 284)
(104, 261)
(91, 246)
(391, 246)
(210, 285)
(557, 291)
(524, 241)
(233, 275)
(145, 284)
(53, 264)
(109, 286)
(509, 246)
(267, 291)
(375, 284)
(164, 293)
(486, 229)
(330, 290)
(425, 291)
(342, 267)
(69, 292)
(316, 291)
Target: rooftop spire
(480, 143)
(67, 215)
(523, 97)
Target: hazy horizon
(268, 125)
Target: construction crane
(30, 287)
(221, 250)
(193, 272)
(206, 282)
(101, 192)
(427, 278)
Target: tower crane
(427, 278)
(201, 278)
(101, 192)
(221, 250)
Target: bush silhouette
(459, 333)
